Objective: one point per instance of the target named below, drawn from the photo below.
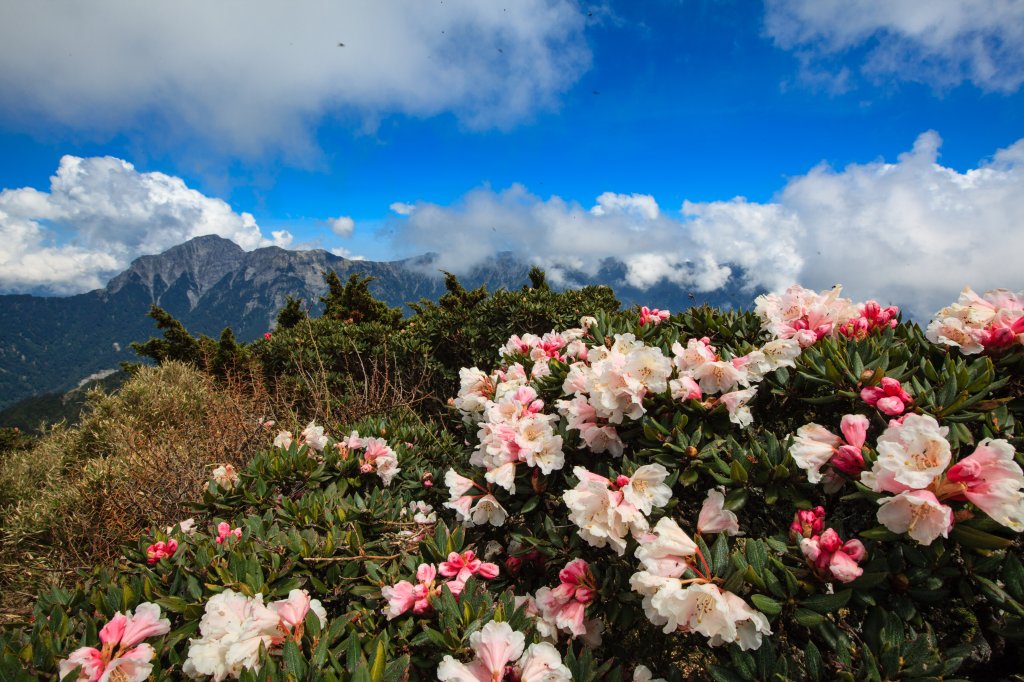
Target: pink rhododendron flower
(872, 317)
(565, 606)
(655, 316)
(991, 480)
(161, 550)
(603, 514)
(314, 436)
(267, 335)
(292, 611)
(124, 656)
(715, 518)
(225, 531)
(815, 446)
(917, 513)
(685, 388)
(736, 403)
(804, 315)
(889, 397)
(830, 557)
(467, 564)
(808, 522)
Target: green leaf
(978, 539)
(769, 606)
(808, 618)
(293, 661)
(826, 603)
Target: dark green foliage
(353, 302)
(177, 343)
(291, 314)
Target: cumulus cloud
(101, 213)
(342, 226)
(941, 42)
(248, 77)
(911, 232)
(402, 208)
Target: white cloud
(911, 232)
(640, 205)
(101, 213)
(342, 226)
(941, 42)
(345, 253)
(256, 76)
(402, 208)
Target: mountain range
(53, 344)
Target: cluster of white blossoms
(606, 511)
(695, 604)
(701, 371)
(473, 508)
(977, 323)
(500, 656)
(515, 431)
(235, 626)
(804, 314)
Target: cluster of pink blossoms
(805, 315)
(815, 446)
(913, 465)
(889, 397)
(871, 317)
(161, 550)
(376, 456)
(694, 604)
(500, 656)
(226, 532)
(824, 550)
(564, 607)
(978, 323)
(606, 511)
(561, 346)
(124, 656)
(235, 627)
(653, 316)
(404, 596)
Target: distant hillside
(49, 344)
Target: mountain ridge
(48, 343)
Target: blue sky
(500, 128)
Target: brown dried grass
(137, 459)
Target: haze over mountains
(50, 344)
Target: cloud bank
(257, 76)
(912, 232)
(939, 42)
(99, 214)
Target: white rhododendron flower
(646, 488)
(643, 674)
(667, 551)
(603, 514)
(314, 436)
(283, 440)
(918, 513)
(714, 517)
(975, 323)
(736, 403)
(499, 648)
(232, 630)
(911, 455)
(812, 448)
(225, 476)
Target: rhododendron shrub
(808, 491)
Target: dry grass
(136, 460)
